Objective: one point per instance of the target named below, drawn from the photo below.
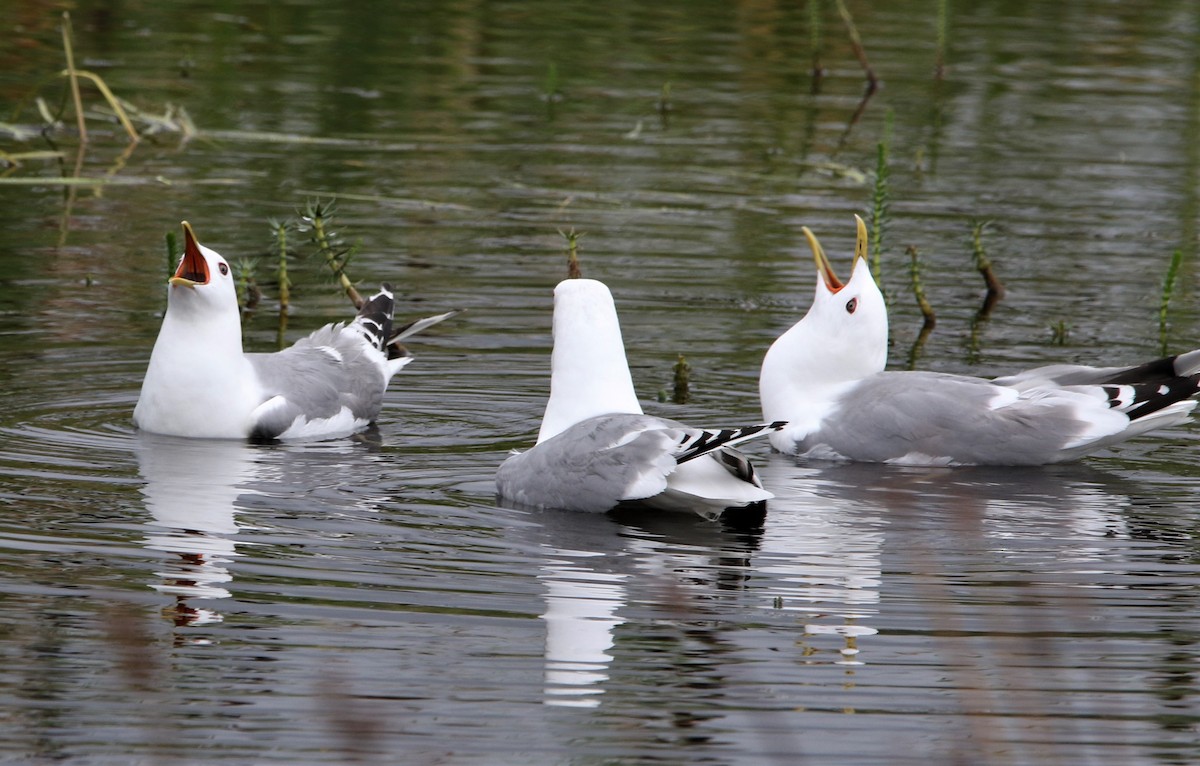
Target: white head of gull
(826, 377)
(596, 449)
(199, 382)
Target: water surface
(169, 601)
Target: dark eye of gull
(225, 271)
(851, 305)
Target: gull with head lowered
(596, 448)
(826, 377)
(200, 383)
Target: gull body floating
(596, 448)
(826, 377)
(200, 383)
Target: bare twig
(856, 44)
(72, 75)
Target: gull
(826, 377)
(596, 449)
(199, 382)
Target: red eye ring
(851, 305)
(224, 269)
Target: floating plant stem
(918, 287)
(73, 78)
(285, 284)
(995, 290)
(73, 75)
(939, 67)
(249, 293)
(681, 392)
(573, 270)
(113, 102)
(879, 201)
(172, 252)
(318, 215)
(814, 40)
(856, 44)
(927, 311)
(1059, 332)
(1164, 305)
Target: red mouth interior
(192, 266)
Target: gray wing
(933, 417)
(593, 465)
(602, 461)
(332, 373)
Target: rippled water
(169, 601)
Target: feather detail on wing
(609, 459)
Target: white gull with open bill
(826, 377)
(597, 449)
(200, 383)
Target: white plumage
(826, 376)
(199, 382)
(597, 449)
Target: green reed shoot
(573, 270)
(317, 217)
(1060, 332)
(682, 378)
(983, 264)
(914, 272)
(939, 70)
(172, 252)
(879, 202)
(1164, 304)
(285, 284)
(73, 77)
(245, 272)
(918, 288)
(814, 39)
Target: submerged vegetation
(87, 107)
(1164, 304)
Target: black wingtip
(710, 441)
(1150, 397)
(375, 316)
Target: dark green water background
(166, 602)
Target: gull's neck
(589, 373)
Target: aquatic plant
(172, 252)
(995, 290)
(280, 229)
(1164, 304)
(983, 264)
(317, 218)
(245, 270)
(681, 381)
(856, 45)
(939, 67)
(73, 74)
(879, 202)
(1060, 331)
(814, 40)
(663, 105)
(572, 237)
(918, 288)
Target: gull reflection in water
(190, 491)
(580, 615)
(821, 556)
(590, 562)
